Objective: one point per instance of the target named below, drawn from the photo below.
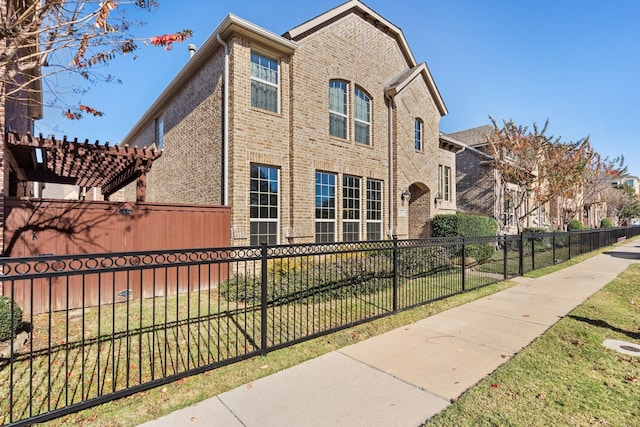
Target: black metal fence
(132, 321)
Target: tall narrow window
(374, 209)
(325, 207)
(417, 135)
(159, 133)
(264, 83)
(338, 117)
(444, 182)
(263, 194)
(446, 179)
(350, 208)
(362, 117)
(440, 182)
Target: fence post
(505, 257)
(395, 273)
(553, 248)
(464, 265)
(521, 255)
(263, 299)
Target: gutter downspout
(392, 229)
(225, 149)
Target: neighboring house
(327, 133)
(478, 186)
(631, 181)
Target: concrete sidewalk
(405, 376)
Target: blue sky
(575, 62)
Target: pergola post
(141, 187)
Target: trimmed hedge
(7, 329)
(456, 225)
(465, 225)
(574, 224)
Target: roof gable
(355, 6)
(405, 77)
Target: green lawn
(566, 377)
(114, 347)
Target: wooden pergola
(109, 168)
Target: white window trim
(268, 83)
(337, 113)
(333, 221)
(446, 184)
(353, 221)
(421, 139)
(374, 221)
(276, 220)
(355, 118)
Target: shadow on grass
(603, 324)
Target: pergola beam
(109, 168)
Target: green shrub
(7, 328)
(574, 225)
(301, 282)
(606, 223)
(416, 262)
(465, 225)
(455, 225)
(345, 275)
(541, 239)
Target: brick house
(327, 133)
(479, 189)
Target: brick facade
(478, 183)
(351, 44)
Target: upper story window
(417, 134)
(159, 133)
(338, 117)
(362, 117)
(264, 82)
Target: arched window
(362, 117)
(338, 116)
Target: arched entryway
(419, 211)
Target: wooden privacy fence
(34, 228)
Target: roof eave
(451, 144)
(230, 25)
